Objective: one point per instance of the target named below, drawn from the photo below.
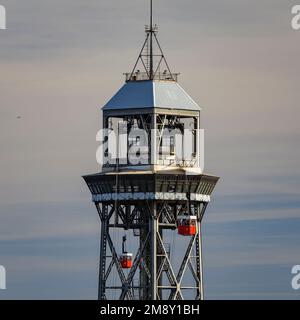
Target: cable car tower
(151, 194)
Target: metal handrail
(143, 76)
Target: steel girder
(151, 259)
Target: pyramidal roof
(151, 94)
(151, 84)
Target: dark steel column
(153, 258)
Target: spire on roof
(151, 59)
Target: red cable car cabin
(126, 260)
(187, 225)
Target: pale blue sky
(60, 61)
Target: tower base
(148, 206)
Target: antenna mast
(151, 39)
(151, 49)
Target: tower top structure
(151, 100)
(151, 63)
(151, 84)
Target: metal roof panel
(133, 94)
(151, 94)
(169, 94)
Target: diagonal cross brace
(134, 267)
(170, 272)
(176, 293)
(117, 263)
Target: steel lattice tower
(157, 196)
